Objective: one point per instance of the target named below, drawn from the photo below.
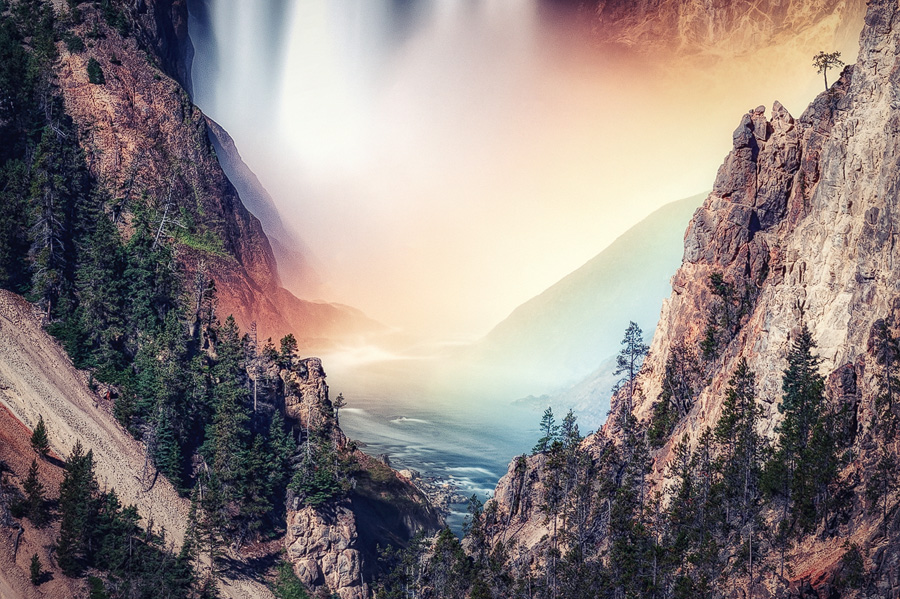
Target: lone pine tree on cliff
(629, 361)
(823, 61)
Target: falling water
(446, 160)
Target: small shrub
(287, 585)
(35, 570)
(74, 44)
(95, 72)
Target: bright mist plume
(446, 161)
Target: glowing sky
(445, 161)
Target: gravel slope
(37, 378)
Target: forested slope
(132, 249)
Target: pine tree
(805, 459)
(449, 568)
(102, 294)
(95, 72)
(550, 431)
(287, 585)
(553, 500)
(35, 570)
(288, 350)
(629, 362)
(886, 349)
(35, 501)
(229, 436)
(677, 396)
(723, 320)
(632, 545)
(338, 403)
(39, 441)
(742, 454)
(569, 435)
(78, 510)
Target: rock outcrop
(322, 548)
(802, 224)
(334, 545)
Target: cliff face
(801, 224)
(296, 269)
(146, 142)
(719, 27)
(801, 215)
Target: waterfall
(446, 160)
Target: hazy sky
(445, 161)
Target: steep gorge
(148, 159)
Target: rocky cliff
(147, 158)
(147, 143)
(801, 228)
(335, 545)
(717, 28)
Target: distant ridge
(565, 332)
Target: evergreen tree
(338, 403)
(474, 531)
(553, 499)
(725, 311)
(886, 349)
(288, 350)
(229, 438)
(95, 72)
(39, 441)
(14, 185)
(550, 431)
(629, 362)
(282, 448)
(35, 570)
(569, 435)
(677, 396)
(287, 585)
(740, 462)
(102, 296)
(58, 187)
(449, 569)
(77, 507)
(35, 502)
(805, 459)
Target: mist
(444, 161)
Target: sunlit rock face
(321, 547)
(720, 27)
(801, 218)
